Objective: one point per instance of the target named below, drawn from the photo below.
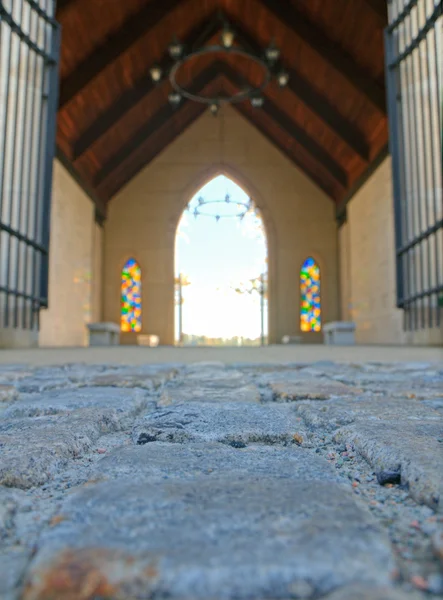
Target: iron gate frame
(414, 296)
(25, 291)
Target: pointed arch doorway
(221, 268)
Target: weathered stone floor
(206, 481)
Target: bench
(339, 333)
(104, 334)
(291, 339)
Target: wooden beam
(160, 118)
(329, 51)
(112, 185)
(317, 103)
(295, 132)
(133, 29)
(62, 4)
(241, 110)
(198, 36)
(142, 87)
(380, 8)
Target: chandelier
(237, 209)
(268, 61)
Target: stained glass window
(310, 314)
(131, 300)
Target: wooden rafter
(380, 8)
(314, 101)
(62, 4)
(168, 134)
(329, 51)
(160, 118)
(294, 131)
(134, 28)
(199, 35)
(265, 133)
(142, 87)
(166, 112)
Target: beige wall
(143, 217)
(369, 233)
(367, 267)
(345, 272)
(73, 300)
(97, 274)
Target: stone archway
(235, 175)
(236, 180)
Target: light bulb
(214, 108)
(227, 36)
(272, 52)
(283, 78)
(175, 49)
(174, 99)
(257, 101)
(156, 73)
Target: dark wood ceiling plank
(314, 101)
(329, 51)
(62, 4)
(156, 122)
(142, 87)
(294, 131)
(199, 35)
(379, 8)
(134, 28)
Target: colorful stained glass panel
(310, 312)
(131, 300)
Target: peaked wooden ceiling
(330, 120)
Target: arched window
(310, 313)
(131, 300)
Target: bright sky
(216, 257)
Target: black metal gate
(29, 51)
(414, 71)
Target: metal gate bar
(29, 51)
(414, 63)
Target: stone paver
(162, 460)
(244, 538)
(228, 422)
(211, 384)
(411, 448)
(251, 481)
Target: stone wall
(368, 273)
(74, 259)
(143, 217)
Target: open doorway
(221, 269)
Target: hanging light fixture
(257, 101)
(229, 43)
(174, 99)
(175, 48)
(227, 36)
(272, 53)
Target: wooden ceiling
(330, 120)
